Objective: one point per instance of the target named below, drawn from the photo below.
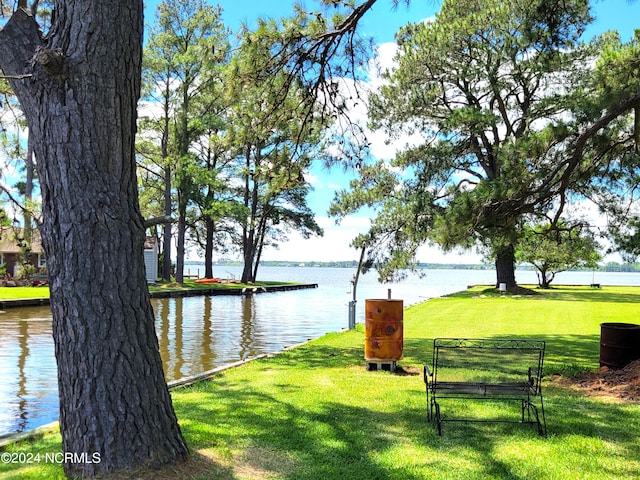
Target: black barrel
(619, 344)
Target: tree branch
(151, 222)
(16, 77)
(16, 203)
(617, 110)
(19, 40)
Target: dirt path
(622, 385)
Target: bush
(27, 271)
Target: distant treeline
(608, 267)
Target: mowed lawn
(17, 293)
(314, 412)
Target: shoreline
(180, 293)
(52, 427)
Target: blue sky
(382, 22)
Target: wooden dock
(214, 291)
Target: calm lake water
(197, 334)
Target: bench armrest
(426, 374)
(534, 380)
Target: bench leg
(532, 408)
(438, 419)
(543, 429)
(429, 405)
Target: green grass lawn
(16, 293)
(314, 412)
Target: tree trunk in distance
(167, 237)
(180, 247)
(208, 247)
(505, 267)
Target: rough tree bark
(79, 94)
(505, 267)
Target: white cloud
(432, 254)
(333, 246)
(312, 180)
(384, 61)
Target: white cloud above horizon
(334, 246)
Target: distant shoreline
(609, 267)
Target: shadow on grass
(270, 434)
(563, 353)
(583, 294)
(281, 428)
(562, 293)
(325, 441)
(580, 431)
(319, 357)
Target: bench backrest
(488, 360)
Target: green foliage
(615, 151)
(618, 68)
(184, 162)
(486, 85)
(627, 239)
(274, 133)
(238, 131)
(399, 226)
(556, 249)
(27, 271)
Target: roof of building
(9, 244)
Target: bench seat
(484, 389)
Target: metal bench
(486, 369)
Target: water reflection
(22, 382)
(28, 382)
(208, 353)
(247, 331)
(195, 334)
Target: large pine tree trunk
(80, 104)
(505, 267)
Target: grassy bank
(16, 293)
(314, 412)
(189, 284)
(19, 293)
